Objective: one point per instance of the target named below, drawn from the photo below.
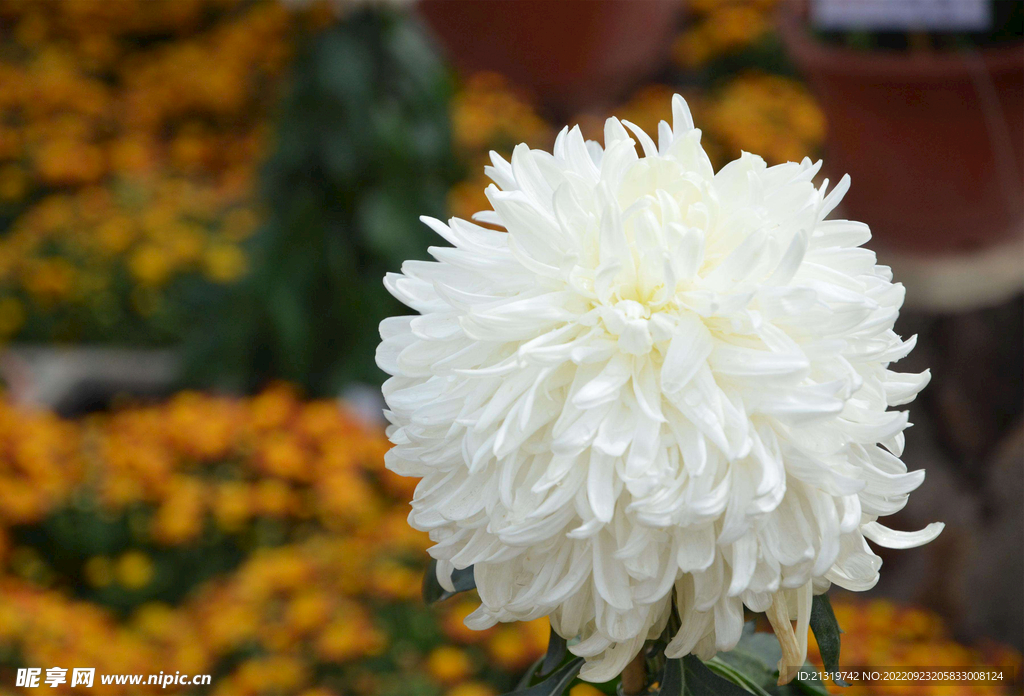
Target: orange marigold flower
(472, 689)
(507, 648)
(449, 665)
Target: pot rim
(925, 66)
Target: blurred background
(198, 201)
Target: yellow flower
(202, 427)
(449, 665)
(232, 505)
(239, 224)
(271, 408)
(50, 279)
(395, 581)
(226, 625)
(344, 640)
(191, 150)
(346, 497)
(10, 138)
(224, 263)
(584, 690)
(283, 456)
(508, 649)
(308, 610)
(275, 498)
(156, 619)
(150, 265)
(191, 657)
(179, 517)
(472, 689)
(768, 114)
(12, 316)
(735, 26)
(692, 48)
(66, 161)
(487, 113)
(185, 243)
(274, 673)
(12, 622)
(99, 571)
(536, 634)
(132, 154)
(721, 28)
(454, 623)
(134, 570)
(13, 182)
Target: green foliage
(826, 632)
(750, 668)
(672, 678)
(462, 580)
(363, 149)
(766, 54)
(69, 537)
(557, 648)
(121, 314)
(556, 684)
(701, 681)
(752, 665)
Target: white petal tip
(893, 539)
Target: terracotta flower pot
(933, 142)
(573, 54)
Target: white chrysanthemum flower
(660, 383)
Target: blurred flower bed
(131, 136)
(728, 64)
(130, 133)
(262, 541)
(879, 633)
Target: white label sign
(902, 15)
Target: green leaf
(812, 688)
(750, 680)
(826, 632)
(763, 647)
(556, 684)
(747, 663)
(672, 678)
(433, 592)
(524, 681)
(556, 652)
(701, 681)
(753, 663)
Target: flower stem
(634, 677)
